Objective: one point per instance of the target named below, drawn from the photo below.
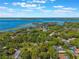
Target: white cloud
(5, 15)
(10, 10)
(58, 11)
(27, 10)
(5, 3)
(58, 6)
(62, 11)
(40, 7)
(15, 3)
(69, 8)
(45, 11)
(53, 0)
(2, 7)
(28, 5)
(65, 8)
(42, 1)
(24, 4)
(39, 1)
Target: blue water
(13, 23)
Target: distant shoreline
(38, 17)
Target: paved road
(16, 55)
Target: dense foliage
(40, 42)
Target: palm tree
(70, 54)
(44, 55)
(25, 54)
(52, 52)
(34, 52)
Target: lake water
(13, 23)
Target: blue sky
(39, 8)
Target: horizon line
(38, 17)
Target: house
(62, 56)
(61, 53)
(76, 52)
